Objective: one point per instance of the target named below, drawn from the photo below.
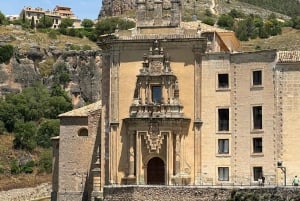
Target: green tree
(8, 115)
(45, 22)
(225, 21)
(296, 22)
(209, 21)
(57, 105)
(109, 25)
(6, 53)
(87, 23)
(71, 32)
(290, 7)
(236, 14)
(45, 161)
(32, 23)
(66, 22)
(241, 31)
(3, 19)
(47, 129)
(208, 13)
(25, 134)
(2, 127)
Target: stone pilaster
(197, 113)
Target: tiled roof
(83, 111)
(288, 56)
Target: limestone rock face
(83, 68)
(115, 7)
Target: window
(257, 117)
(223, 146)
(223, 173)
(223, 81)
(83, 132)
(156, 94)
(256, 77)
(223, 120)
(257, 173)
(257, 145)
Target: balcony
(156, 111)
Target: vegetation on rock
(32, 115)
(290, 7)
(6, 52)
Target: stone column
(170, 160)
(138, 159)
(113, 151)
(131, 154)
(177, 155)
(96, 194)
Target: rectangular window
(257, 173)
(257, 145)
(257, 117)
(156, 94)
(256, 77)
(223, 81)
(223, 120)
(223, 146)
(223, 173)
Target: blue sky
(81, 8)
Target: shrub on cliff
(87, 23)
(6, 52)
(25, 136)
(45, 162)
(109, 25)
(47, 129)
(3, 19)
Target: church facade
(181, 107)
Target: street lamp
(283, 169)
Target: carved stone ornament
(154, 138)
(156, 67)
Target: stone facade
(76, 152)
(182, 108)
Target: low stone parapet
(197, 193)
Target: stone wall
(41, 191)
(193, 193)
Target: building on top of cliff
(181, 106)
(57, 14)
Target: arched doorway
(156, 171)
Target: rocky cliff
(83, 70)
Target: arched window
(83, 132)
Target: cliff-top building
(57, 14)
(181, 106)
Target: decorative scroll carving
(154, 138)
